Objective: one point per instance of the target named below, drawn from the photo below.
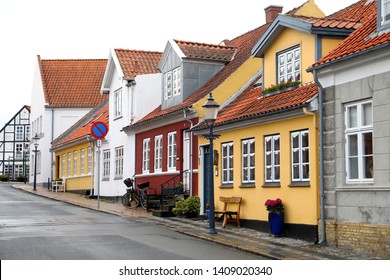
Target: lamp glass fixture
(211, 108)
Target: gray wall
(359, 203)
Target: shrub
(189, 207)
(3, 178)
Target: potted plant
(188, 207)
(275, 210)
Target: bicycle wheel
(130, 200)
(143, 200)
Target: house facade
(14, 146)
(355, 81)
(63, 92)
(268, 144)
(75, 152)
(164, 143)
(132, 83)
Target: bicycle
(135, 197)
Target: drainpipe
(52, 139)
(191, 144)
(322, 241)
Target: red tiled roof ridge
(73, 59)
(204, 44)
(135, 51)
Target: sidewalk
(249, 240)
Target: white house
(63, 91)
(133, 84)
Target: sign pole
(98, 144)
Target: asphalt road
(38, 228)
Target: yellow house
(74, 151)
(268, 144)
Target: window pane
(268, 144)
(245, 161)
(367, 114)
(252, 147)
(305, 139)
(268, 173)
(296, 156)
(268, 160)
(305, 171)
(352, 117)
(368, 167)
(353, 168)
(277, 172)
(353, 145)
(276, 143)
(367, 144)
(277, 158)
(244, 148)
(305, 155)
(296, 172)
(295, 140)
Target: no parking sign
(99, 130)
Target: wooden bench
(58, 186)
(231, 207)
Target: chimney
(272, 12)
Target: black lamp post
(35, 142)
(211, 112)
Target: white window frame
(227, 162)
(168, 85)
(63, 165)
(90, 160)
(69, 164)
(75, 163)
(19, 151)
(106, 164)
(176, 84)
(118, 103)
(119, 151)
(19, 133)
(358, 129)
(172, 151)
(286, 59)
(82, 161)
(248, 160)
(385, 7)
(300, 149)
(272, 158)
(146, 156)
(158, 150)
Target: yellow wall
(329, 44)
(232, 84)
(301, 203)
(76, 181)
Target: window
(248, 161)
(118, 103)
(69, 164)
(82, 161)
(300, 155)
(19, 133)
(172, 151)
(358, 142)
(146, 155)
(39, 160)
(176, 82)
(385, 11)
(119, 162)
(75, 161)
(63, 164)
(89, 160)
(106, 164)
(19, 151)
(289, 65)
(27, 133)
(272, 158)
(172, 83)
(158, 153)
(227, 163)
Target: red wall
(157, 179)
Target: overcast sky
(72, 29)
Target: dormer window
(172, 83)
(385, 12)
(289, 65)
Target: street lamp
(211, 112)
(35, 142)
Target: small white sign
(98, 143)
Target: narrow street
(37, 228)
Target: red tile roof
(243, 44)
(251, 103)
(72, 83)
(206, 51)
(82, 128)
(364, 38)
(135, 62)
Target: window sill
(299, 184)
(118, 117)
(118, 178)
(271, 185)
(247, 186)
(106, 179)
(226, 186)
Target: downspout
(322, 241)
(191, 153)
(52, 139)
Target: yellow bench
(231, 210)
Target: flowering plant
(274, 206)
